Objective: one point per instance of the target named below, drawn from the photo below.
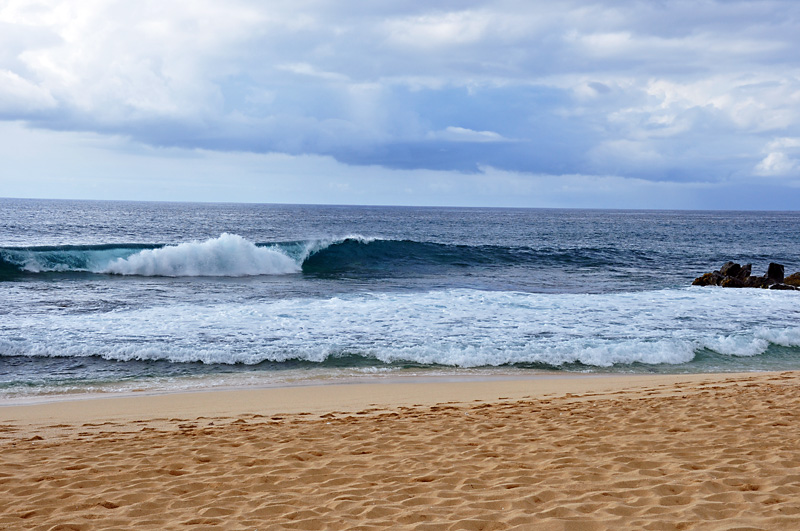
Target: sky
(519, 103)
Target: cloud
(41, 163)
(306, 69)
(665, 92)
(437, 30)
(462, 134)
(777, 164)
(20, 95)
(782, 159)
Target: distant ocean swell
(458, 327)
(233, 256)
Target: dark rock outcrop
(730, 269)
(745, 271)
(775, 272)
(733, 275)
(783, 287)
(756, 282)
(732, 282)
(708, 279)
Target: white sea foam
(789, 337)
(742, 344)
(229, 255)
(465, 328)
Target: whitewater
(229, 255)
(123, 296)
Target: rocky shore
(733, 275)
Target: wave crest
(229, 255)
(350, 256)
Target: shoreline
(355, 393)
(597, 452)
(316, 396)
(210, 383)
(245, 381)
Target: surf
(455, 328)
(231, 255)
(228, 255)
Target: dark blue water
(161, 294)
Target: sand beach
(602, 452)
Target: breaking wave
(233, 255)
(227, 256)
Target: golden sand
(673, 452)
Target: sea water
(103, 296)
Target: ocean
(132, 296)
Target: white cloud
(782, 159)
(604, 44)
(461, 134)
(306, 69)
(116, 60)
(784, 143)
(18, 94)
(437, 30)
(777, 164)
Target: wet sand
(622, 452)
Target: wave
(459, 328)
(67, 258)
(228, 255)
(233, 255)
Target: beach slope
(639, 452)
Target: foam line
(464, 328)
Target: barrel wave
(228, 255)
(358, 255)
(234, 256)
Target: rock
(775, 272)
(755, 282)
(793, 280)
(744, 272)
(730, 269)
(784, 287)
(732, 282)
(709, 279)
(733, 275)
